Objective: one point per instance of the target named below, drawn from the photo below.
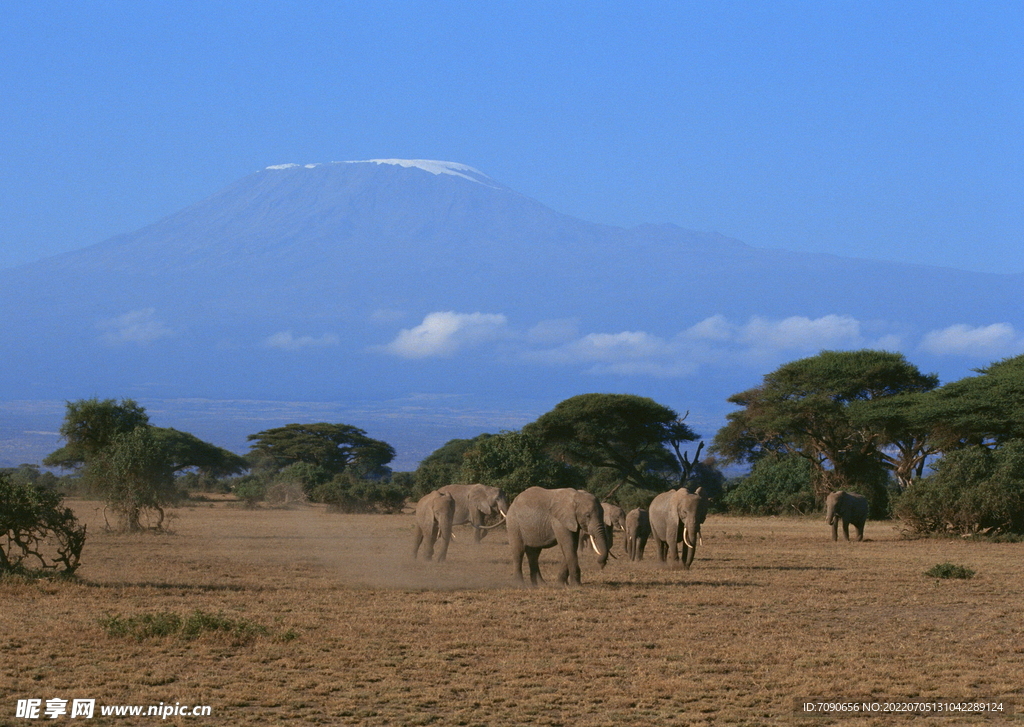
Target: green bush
(775, 486)
(973, 490)
(348, 493)
(948, 570)
(188, 627)
(250, 490)
(37, 533)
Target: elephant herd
(540, 518)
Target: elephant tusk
(594, 545)
(488, 527)
(686, 532)
(700, 540)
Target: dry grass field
(772, 613)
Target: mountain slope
(385, 279)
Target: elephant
(474, 503)
(676, 516)
(614, 519)
(539, 518)
(434, 513)
(851, 508)
(638, 529)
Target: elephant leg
(533, 558)
(673, 549)
(846, 530)
(687, 556)
(428, 546)
(662, 550)
(835, 531)
(639, 548)
(570, 572)
(417, 540)
(444, 537)
(860, 531)
(518, 551)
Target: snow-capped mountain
(428, 281)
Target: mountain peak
(428, 165)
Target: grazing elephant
(474, 503)
(676, 516)
(539, 518)
(851, 508)
(434, 513)
(638, 529)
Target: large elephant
(539, 518)
(676, 516)
(474, 503)
(849, 507)
(434, 513)
(638, 529)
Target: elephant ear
(563, 509)
(478, 498)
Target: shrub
(349, 493)
(973, 490)
(948, 570)
(37, 533)
(250, 490)
(775, 486)
(188, 627)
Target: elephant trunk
(600, 544)
(691, 536)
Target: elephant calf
(638, 530)
(434, 515)
(676, 517)
(849, 507)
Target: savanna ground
(772, 613)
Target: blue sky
(872, 129)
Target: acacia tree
(130, 461)
(622, 432)
(513, 461)
(804, 408)
(334, 447)
(985, 410)
(443, 466)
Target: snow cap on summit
(427, 165)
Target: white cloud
(138, 326)
(285, 341)
(801, 333)
(715, 328)
(442, 334)
(992, 340)
(712, 341)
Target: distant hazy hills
(414, 281)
